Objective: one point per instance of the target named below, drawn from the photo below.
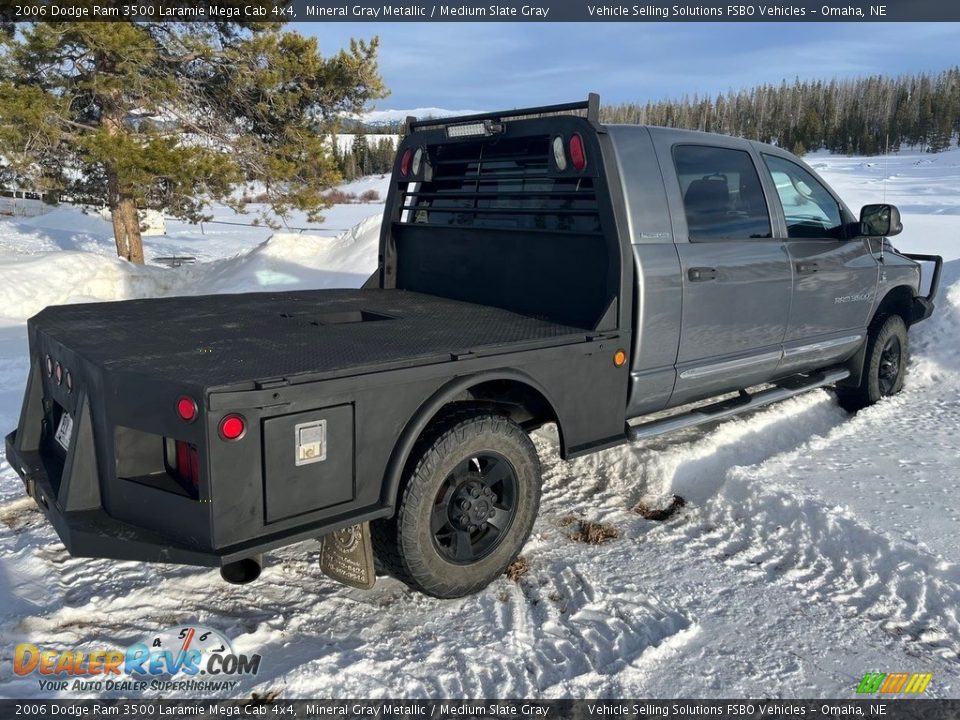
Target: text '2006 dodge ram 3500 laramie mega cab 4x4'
(535, 267)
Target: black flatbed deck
(224, 340)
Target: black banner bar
(482, 10)
(145, 709)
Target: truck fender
(432, 406)
(897, 301)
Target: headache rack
(500, 180)
(591, 105)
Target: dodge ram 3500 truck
(535, 266)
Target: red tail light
(187, 467)
(187, 409)
(578, 155)
(232, 427)
(405, 162)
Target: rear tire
(883, 368)
(467, 505)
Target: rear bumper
(93, 533)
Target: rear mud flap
(347, 556)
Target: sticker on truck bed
(64, 431)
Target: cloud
(494, 65)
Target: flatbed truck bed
(250, 340)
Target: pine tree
(861, 115)
(171, 116)
(361, 151)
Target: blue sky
(486, 66)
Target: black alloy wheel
(466, 505)
(891, 361)
(474, 508)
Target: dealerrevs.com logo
(188, 658)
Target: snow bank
(293, 261)
(71, 219)
(389, 116)
(285, 261)
(30, 283)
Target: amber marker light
(619, 358)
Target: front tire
(467, 506)
(884, 366)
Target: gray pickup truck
(535, 266)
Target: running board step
(744, 401)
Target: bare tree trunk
(126, 222)
(126, 230)
(123, 208)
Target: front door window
(810, 210)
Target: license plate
(64, 431)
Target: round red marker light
(58, 373)
(405, 162)
(69, 382)
(232, 427)
(187, 409)
(578, 154)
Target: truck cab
(750, 267)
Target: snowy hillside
(813, 547)
(376, 117)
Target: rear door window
(722, 196)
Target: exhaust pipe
(243, 571)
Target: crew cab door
(736, 276)
(835, 278)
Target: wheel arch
(898, 300)
(516, 394)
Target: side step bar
(744, 401)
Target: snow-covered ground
(814, 546)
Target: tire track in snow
(827, 554)
(783, 534)
(510, 639)
(692, 463)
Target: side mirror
(880, 221)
